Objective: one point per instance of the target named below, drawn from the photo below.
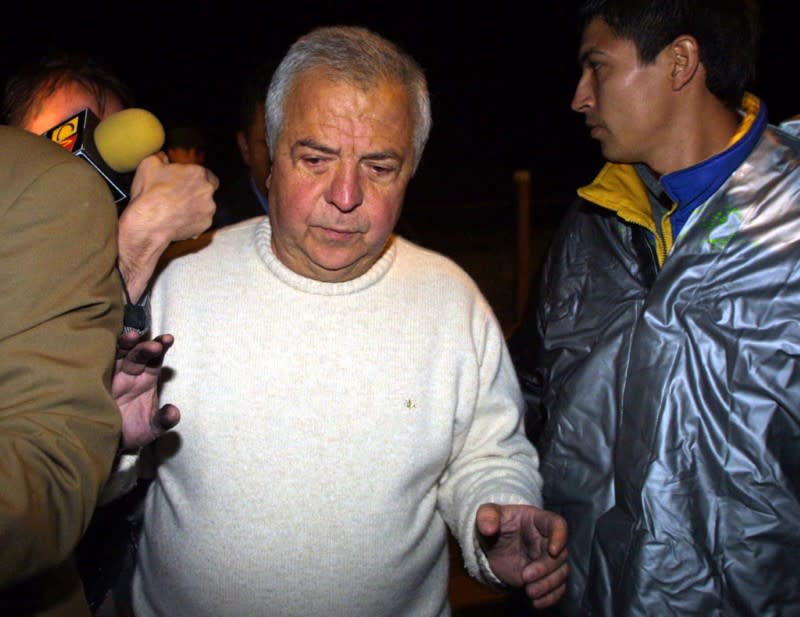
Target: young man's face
(628, 105)
(343, 160)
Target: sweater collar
(263, 239)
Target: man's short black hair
(254, 93)
(728, 32)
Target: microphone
(114, 146)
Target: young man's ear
(685, 58)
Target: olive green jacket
(60, 314)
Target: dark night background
(501, 77)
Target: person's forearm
(138, 257)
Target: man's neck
(696, 136)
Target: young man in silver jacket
(660, 358)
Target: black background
(501, 76)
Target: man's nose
(345, 190)
(583, 99)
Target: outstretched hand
(526, 547)
(134, 387)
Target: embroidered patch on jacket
(722, 225)
(719, 228)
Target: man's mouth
(595, 128)
(334, 233)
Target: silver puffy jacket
(666, 401)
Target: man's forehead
(64, 101)
(332, 87)
(599, 38)
(597, 30)
(382, 109)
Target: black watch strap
(135, 317)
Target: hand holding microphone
(162, 202)
(114, 146)
(168, 202)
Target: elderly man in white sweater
(346, 395)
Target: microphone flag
(76, 134)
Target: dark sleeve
(137, 314)
(528, 344)
(525, 345)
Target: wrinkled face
(343, 160)
(253, 148)
(626, 103)
(65, 102)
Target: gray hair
(355, 55)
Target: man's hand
(526, 547)
(168, 202)
(134, 387)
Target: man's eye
(382, 170)
(589, 65)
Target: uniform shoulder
(37, 170)
(25, 156)
(19, 144)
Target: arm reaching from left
(526, 547)
(134, 387)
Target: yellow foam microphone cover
(125, 138)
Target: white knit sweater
(328, 433)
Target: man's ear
(685, 58)
(244, 149)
